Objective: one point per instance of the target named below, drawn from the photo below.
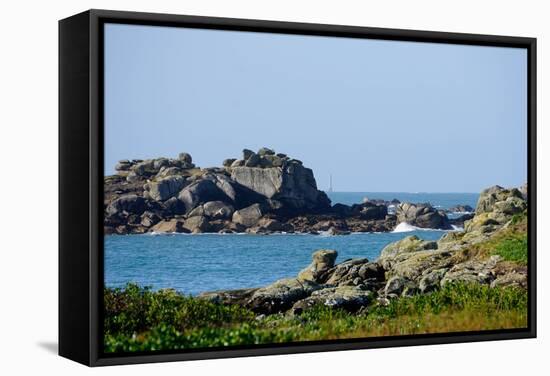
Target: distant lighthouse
(330, 186)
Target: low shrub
(138, 319)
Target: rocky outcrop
(422, 215)
(404, 268)
(323, 261)
(265, 192)
(460, 209)
(282, 179)
(261, 193)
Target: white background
(28, 189)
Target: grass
(510, 243)
(139, 319)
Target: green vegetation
(513, 249)
(139, 319)
(510, 243)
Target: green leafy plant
(138, 319)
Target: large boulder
(291, 183)
(323, 260)
(422, 215)
(406, 245)
(496, 206)
(281, 295)
(248, 216)
(185, 157)
(472, 271)
(200, 192)
(345, 273)
(169, 226)
(165, 188)
(217, 210)
(197, 224)
(127, 204)
(350, 298)
(490, 199)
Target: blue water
(196, 263)
(205, 262)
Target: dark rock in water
(197, 224)
(422, 215)
(460, 220)
(461, 209)
(127, 204)
(370, 211)
(269, 225)
(170, 226)
(338, 231)
(201, 192)
(323, 261)
(342, 210)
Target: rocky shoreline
(405, 268)
(263, 192)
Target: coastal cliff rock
(262, 185)
(290, 183)
(265, 192)
(404, 268)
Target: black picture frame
(81, 170)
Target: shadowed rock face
(292, 184)
(262, 185)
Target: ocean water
(205, 262)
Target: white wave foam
(407, 227)
(462, 212)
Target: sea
(194, 263)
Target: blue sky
(377, 115)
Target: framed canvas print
(236, 187)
